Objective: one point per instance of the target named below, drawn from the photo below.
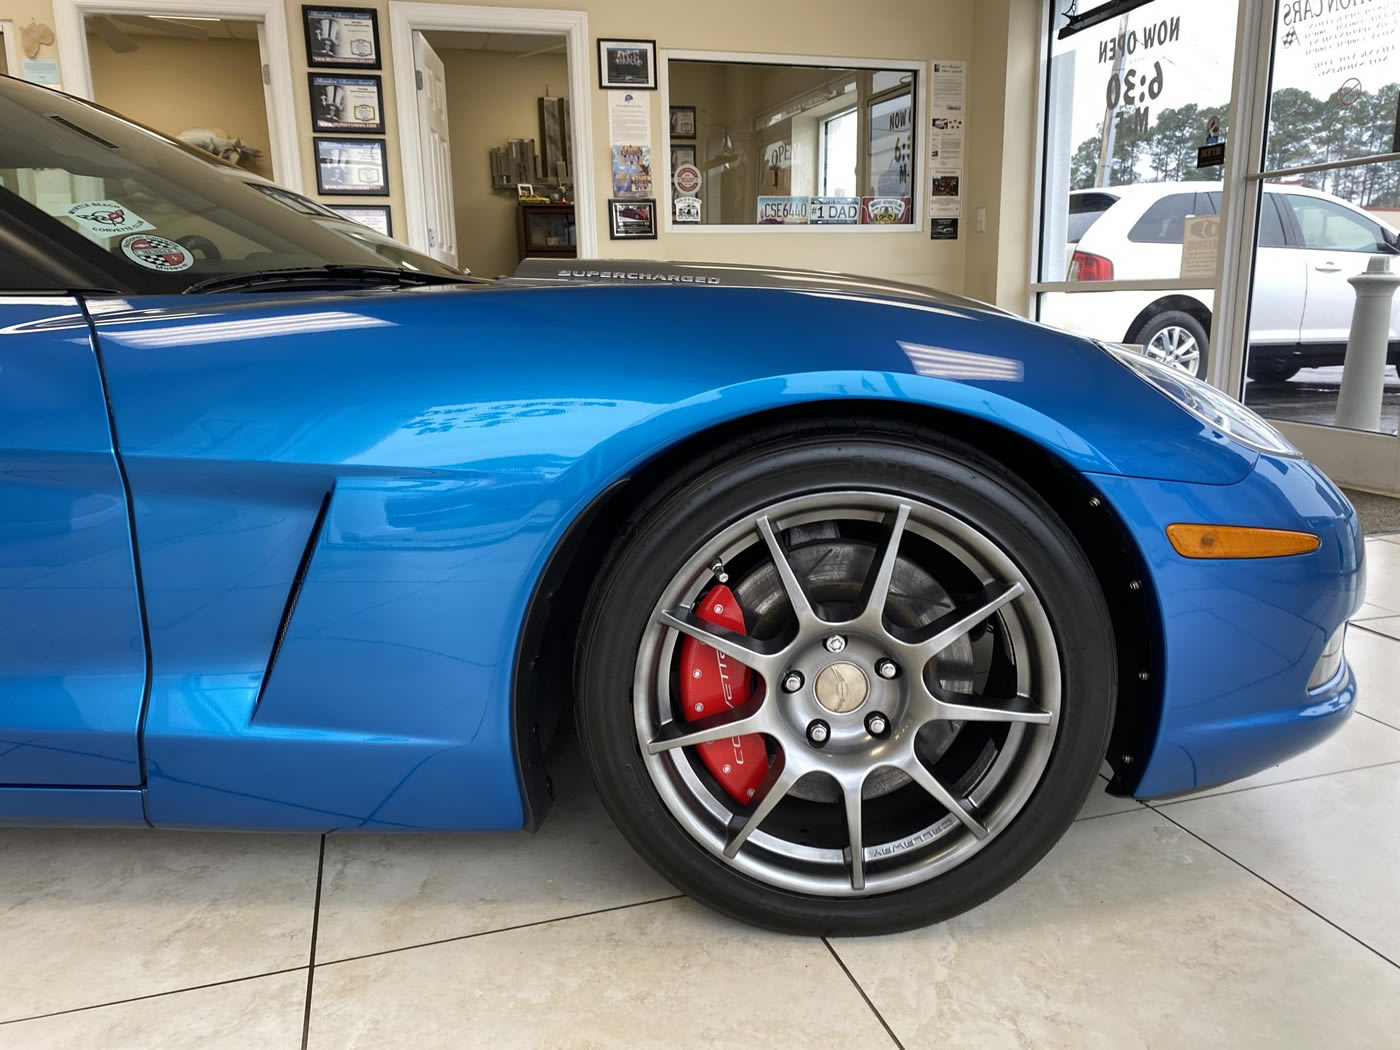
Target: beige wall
(202, 84)
(492, 96)
(997, 37)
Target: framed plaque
(627, 64)
(351, 166)
(341, 36)
(346, 103)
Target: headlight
(1209, 405)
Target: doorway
(219, 106)
(461, 171)
(220, 71)
(488, 227)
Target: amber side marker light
(1239, 541)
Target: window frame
(920, 95)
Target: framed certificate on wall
(346, 103)
(351, 166)
(341, 36)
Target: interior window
(800, 143)
(1165, 221)
(1330, 226)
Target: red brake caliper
(712, 682)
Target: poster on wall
(629, 118)
(943, 229)
(782, 210)
(351, 166)
(627, 64)
(375, 216)
(631, 171)
(945, 192)
(341, 36)
(343, 103)
(632, 220)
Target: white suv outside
(1309, 244)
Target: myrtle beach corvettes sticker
(157, 253)
(107, 218)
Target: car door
(1336, 243)
(72, 651)
(1280, 282)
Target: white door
(1337, 244)
(431, 81)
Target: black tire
(1176, 319)
(752, 473)
(1272, 371)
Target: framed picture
(351, 166)
(346, 103)
(341, 36)
(632, 220)
(627, 64)
(682, 122)
(375, 216)
(682, 153)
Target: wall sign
(375, 216)
(346, 103)
(341, 36)
(632, 220)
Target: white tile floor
(1262, 914)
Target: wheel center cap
(842, 687)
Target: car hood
(650, 271)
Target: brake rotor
(834, 570)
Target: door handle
(1327, 267)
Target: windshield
(156, 216)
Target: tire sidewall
(955, 479)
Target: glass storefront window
(798, 144)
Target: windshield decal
(106, 218)
(157, 253)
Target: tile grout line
(852, 978)
(1378, 721)
(1279, 889)
(311, 955)
(502, 929)
(1360, 625)
(1276, 783)
(155, 995)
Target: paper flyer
(946, 147)
(629, 118)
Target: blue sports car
(848, 598)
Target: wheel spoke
(781, 776)
(747, 718)
(797, 597)
(748, 651)
(959, 807)
(966, 707)
(951, 626)
(855, 834)
(877, 584)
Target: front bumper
(1241, 638)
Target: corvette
(849, 598)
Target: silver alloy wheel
(964, 816)
(1177, 347)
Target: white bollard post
(1368, 345)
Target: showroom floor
(1262, 914)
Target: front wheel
(1175, 338)
(846, 684)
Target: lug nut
(876, 724)
(792, 683)
(818, 733)
(835, 643)
(886, 668)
